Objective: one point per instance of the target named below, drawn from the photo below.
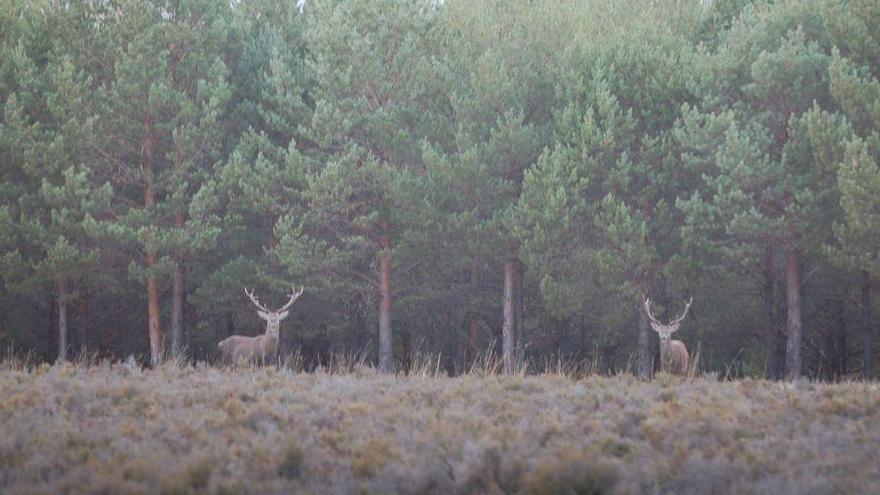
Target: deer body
(240, 349)
(249, 350)
(673, 357)
(673, 353)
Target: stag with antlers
(673, 353)
(259, 349)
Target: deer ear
(263, 315)
(282, 315)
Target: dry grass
(116, 428)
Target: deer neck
(272, 328)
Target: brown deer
(258, 350)
(673, 353)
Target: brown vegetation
(120, 429)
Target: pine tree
(855, 86)
(56, 199)
(595, 215)
(374, 95)
(766, 187)
(153, 127)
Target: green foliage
(613, 148)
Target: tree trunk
(841, 353)
(62, 319)
(151, 257)
(473, 336)
(793, 311)
(518, 315)
(178, 294)
(508, 328)
(473, 315)
(84, 315)
(770, 331)
(643, 360)
(52, 328)
(358, 326)
(272, 242)
(407, 360)
(867, 327)
(177, 297)
(153, 314)
(385, 350)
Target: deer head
(273, 318)
(673, 353)
(665, 330)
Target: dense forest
(458, 179)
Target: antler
(293, 297)
(648, 311)
(255, 300)
(687, 307)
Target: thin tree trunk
(178, 294)
(473, 314)
(407, 351)
(52, 328)
(643, 360)
(84, 316)
(273, 240)
(508, 329)
(867, 327)
(473, 336)
(770, 332)
(518, 314)
(385, 350)
(840, 341)
(177, 297)
(62, 319)
(153, 314)
(151, 257)
(793, 311)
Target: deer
(257, 350)
(673, 353)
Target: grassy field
(119, 429)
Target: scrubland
(116, 428)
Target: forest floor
(120, 429)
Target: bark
(177, 301)
(385, 351)
(508, 329)
(643, 360)
(151, 256)
(518, 315)
(153, 314)
(62, 319)
(273, 240)
(178, 294)
(770, 332)
(407, 351)
(867, 327)
(84, 316)
(52, 328)
(793, 311)
(473, 315)
(357, 326)
(473, 335)
(230, 324)
(840, 341)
